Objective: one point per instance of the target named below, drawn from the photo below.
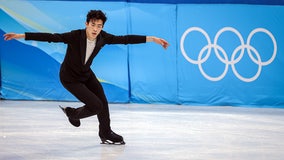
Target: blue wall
(264, 2)
(220, 54)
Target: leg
(92, 106)
(105, 133)
(91, 93)
(103, 116)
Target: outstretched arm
(157, 40)
(10, 36)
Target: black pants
(91, 93)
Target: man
(76, 74)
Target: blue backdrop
(219, 54)
(230, 55)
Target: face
(93, 28)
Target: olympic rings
(225, 59)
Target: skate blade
(62, 108)
(112, 143)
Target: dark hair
(96, 14)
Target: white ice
(38, 130)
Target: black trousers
(91, 93)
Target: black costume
(78, 78)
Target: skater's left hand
(162, 42)
(157, 40)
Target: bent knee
(95, 108)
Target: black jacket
(73, 68)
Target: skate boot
(111, 138)
(67, 111)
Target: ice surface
(38, 130)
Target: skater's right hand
(10, 36)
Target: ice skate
(74, 122)
(111, 138)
